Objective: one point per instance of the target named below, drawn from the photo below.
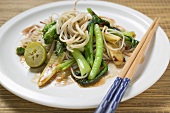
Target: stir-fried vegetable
(99, 52)
(49, 33)
(129, 39)
(63, 66)
(111, 38)
(87, 82)
(82, 63)
(51, 69)
(131, 42)
(99, 21)
(20, 51)
(129, 33)
(59, 48)
(89, 46)
(96, 19)
(117, 57)
(47, 27)
(66, 64)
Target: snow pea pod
(99, 53)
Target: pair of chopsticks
(113, 97)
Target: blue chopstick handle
(118, 96)
(102, 107)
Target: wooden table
(154, 100)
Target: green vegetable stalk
(99, 53)
(97, 20)
(89, 46)
(81, 61)
(65, 65)
(87, 82)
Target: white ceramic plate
(15, 78)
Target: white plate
(15, 78)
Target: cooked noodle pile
(72, 27)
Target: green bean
(99, 52)
(81, 61)
(89, 46)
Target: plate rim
(32, 98)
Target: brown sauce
(63, 78)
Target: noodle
(72, 27)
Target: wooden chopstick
(136, 51)
(141, 52)
(116, 91)
(138, 54)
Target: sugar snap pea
(99, 52)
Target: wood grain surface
(154, 100)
